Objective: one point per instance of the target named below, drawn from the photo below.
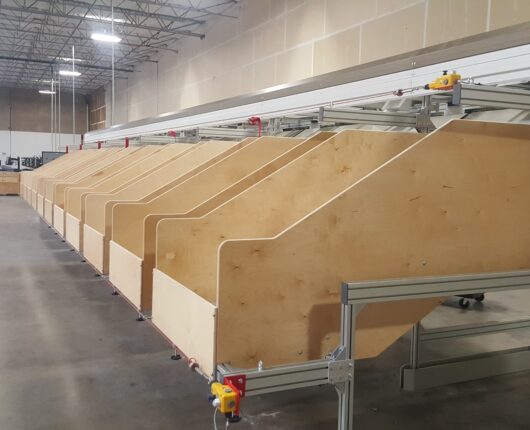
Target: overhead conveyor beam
(372, 117)
(491, 96)
(497, 63)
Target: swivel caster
(115, 293)
(464, 303)
(480, 298)
(140, 318)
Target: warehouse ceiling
(37, 36)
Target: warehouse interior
(264, 214)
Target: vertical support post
(59, 110)
(126, 142)
(112, 47)
(415, 346)
(73, 98)
(346, 393)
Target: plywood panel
(124, 178)
(187, 248)
(106, 158)
(187, 319)
(128, 218)
(99, 207)
(125, 273)
(153, 184)
(94, 249)
(85, 159)
(100, 171)
(183, 200)
(448, 205)
(48, 211)
(73, 232)
(58, 220)
(72, 202)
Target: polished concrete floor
(72, 356)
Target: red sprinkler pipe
(99, 145)
(67, 149)
(256, 120)
(126, 142)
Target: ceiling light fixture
(46, 92)
(104, 18)
(70, 59)
(104, 37)
(69, 73)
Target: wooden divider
(133, 236)
(130, 156)
(54, 194)
(85, 160)
(187, 249)
(97, 230)
(446, 206)
(155, 157)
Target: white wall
(29, 144)
(280, 41)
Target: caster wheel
(464, 304)
(115, 293)
(140, 319)
(480, 298)
(176, 357)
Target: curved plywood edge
(58, 220)
(72, 202)
(66, 171)
(106, 158)
(88, 157)
(123, 178)
(151, 220)
(187, 320)
(187, 248)
(128, 218)
(446, 206)
(99, 171)
(29, 178)
(133, 174)
(99, 216)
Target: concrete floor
(72, 356)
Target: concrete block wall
(279, 41)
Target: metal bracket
(340, 371)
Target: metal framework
(338, 368)
(36, 36)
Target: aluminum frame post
(345, 389)
(415, 346)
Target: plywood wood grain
(448, 205)
(199, 194)
(187, 319)
(155, 159)
(187, 248)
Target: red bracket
(238, 383)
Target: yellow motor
(224, 398)
(444, 82)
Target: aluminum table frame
(338, 368)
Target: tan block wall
(274, 42)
